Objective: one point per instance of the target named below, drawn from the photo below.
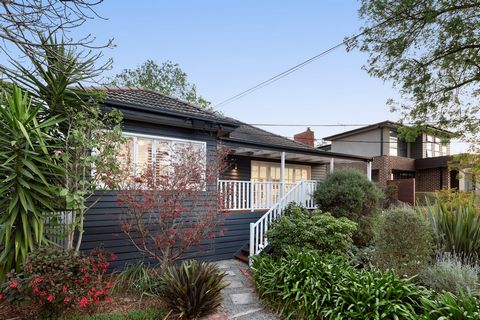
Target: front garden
(362, 256)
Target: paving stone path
(240, 301)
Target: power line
(297, 67)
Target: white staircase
(301, 193)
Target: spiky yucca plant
(192, 289)
(456, 231)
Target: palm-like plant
(27, 175)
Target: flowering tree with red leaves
(171, 207)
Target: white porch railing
(301, 193)
(253, 195)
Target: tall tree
(22, 22)
(430, 50)
(167, 78)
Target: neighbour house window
(398, 147)
(434, 147)
(270, 171)
(142, 152)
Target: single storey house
(266, 171)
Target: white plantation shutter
(157, 153)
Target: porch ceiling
(289, 155)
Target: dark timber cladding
(102, 227)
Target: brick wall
(385, 165)
(429, 180)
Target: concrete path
(240, 300)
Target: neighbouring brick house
(424, 161)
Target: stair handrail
(258, 229)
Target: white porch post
(332, 164)
(282, 175)
(369, 170)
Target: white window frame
(135, 136)
(287, 166)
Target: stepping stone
(242, 298)
(235, 284)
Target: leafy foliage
(87, 137)
(319, 231)
(348, 193)
(456, 231)
(429, 51)
(137, 278)
(451, 307)
(159, 205)
(55, 280)
(403, 241)
(452, 274)
(166, 78)
(192, 289)
(28, 174)
(310, 285)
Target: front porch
(257, 179)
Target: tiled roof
(250, 134)
(157, 101)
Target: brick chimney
(307, 137)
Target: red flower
(50, 298)
(67, 299)
(14, 285)
(83, 302)
(64, 288)
(35, 290)
(2, 296)
(37, 280)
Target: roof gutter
(113, 103)
(317, 152)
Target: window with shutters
(141, 152)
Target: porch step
(243, 253)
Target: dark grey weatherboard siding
(102, 228)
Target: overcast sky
(228, 46)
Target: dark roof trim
(313, 151)
(227, 126)
(379, 125)
(431, 163)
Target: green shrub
(54, 280)
(452, 274)
(309, 285)
(137, 278)
(390, 198)
(447, 306)
(456, 231)
(348, 193)
(319, 231)
(371, 294)
(403, 241)
(300, 284)
(192, 289)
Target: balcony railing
(258, 195)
